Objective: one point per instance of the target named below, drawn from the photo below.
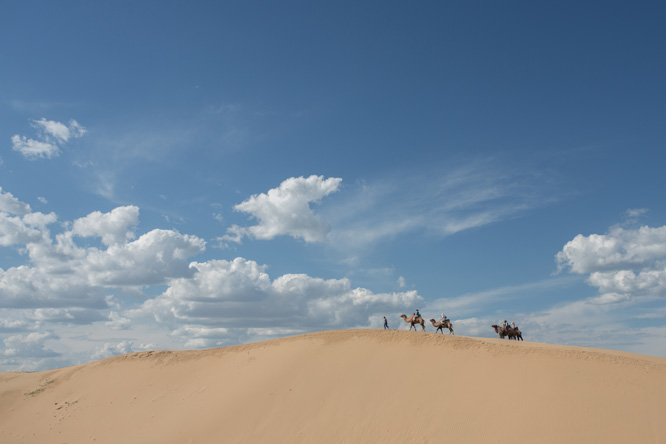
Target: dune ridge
(351, 386)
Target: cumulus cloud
(112, 227)
(205, 303)
(286, 211)
(63, 275)
(117, 322)
(50, 135)
(31, 345)
(34, 149)
(620, 248)
(12, 325)
(622, 264)
(113, 349)
(152, 259)
(67, 315)
(239, 294)
(69, 283)
(10, 204)
(37, 287)
(202, 337)
(26, 229)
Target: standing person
(385, 323)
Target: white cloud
(239, 294)
(436, 202)
(151, 259)
(64, 275)
(31, 345)
(52, 128)
(635, 213)
(623, 283)
(113, 349)
(10, 204)
(34, 149)
(112, 227)
(623, 264)
(77, 286)
(25, 229)
(203, 337)
(117, 322)
(286, 210)
(620, 248)
(67, 315)
(51, 135)
(75, 129)
(44, 287)
(12, 325)
(59, 131)
(469, 303)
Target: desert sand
(349, 386)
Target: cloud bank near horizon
(99, 273)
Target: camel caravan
(504, 331)
(416, 319)
(508, 331)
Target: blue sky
(206, 174)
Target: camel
(413, 322)
(441, 325)
(511, 333)
(501, 333)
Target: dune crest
(352, 386)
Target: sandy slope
(363, 386)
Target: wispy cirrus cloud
(438, 202)
(470, 302)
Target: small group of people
(505, 325)
(416, 315)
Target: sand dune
(352, 386)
